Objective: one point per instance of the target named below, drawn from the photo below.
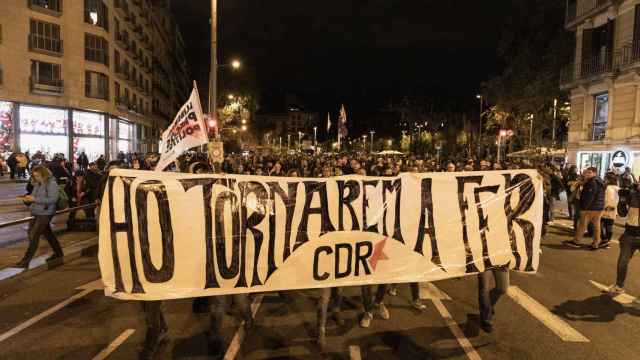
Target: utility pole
(371, 145)
(530, 130)
(213, 72)
(553, 126)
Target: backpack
(63, 198)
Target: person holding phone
(42, 203)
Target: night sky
(360, 52)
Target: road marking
(457, 332)
(550, 320)
(624, 299)
(86, 290)
(238, 338)
(354, 352)
(114, 345)
(430, 292)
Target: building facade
(79, 75)
(604, 82)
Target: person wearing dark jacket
(591, 207)
(630, 239)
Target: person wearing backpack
(42, 202)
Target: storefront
(616, 160)
(88, 134)
(44, 129)
(6, 126)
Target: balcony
(596, 132)
(95, 93)
(579, 10)
(121, 7)
(45, 86)
(594, 68)
(49, 7)
(45, 45)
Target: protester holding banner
(630, 239)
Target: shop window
(6, 126)
(44, 129)
(96, 85)
(600, 117)
(88, 130)
(96, 13)
(45, 37)
(96, 49)
(46, 77)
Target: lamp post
(280, 141)
(479, 97)
(315, 138)
(299, 140)
(530, 130)
(553, 125)
(371, 145)
(502, 134)
(288, 142)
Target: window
(116, 60)
(600, 116)
(96, 49)
(96, 85)
(116, 92)
(45, 36)
(49, 5)
(126, 96)
(96, 13)
(46, 77)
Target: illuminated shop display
(44, 129)
(6, 126)
(88, 134)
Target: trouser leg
(484, 297)
(51, 238)
(323, 306)
(596, 218)
(627, 248)
(36, 228)
(219, 305)
(153, 315)
(367, 299)
(415, 291)
(380, 293)
(582, 227)
(501, 277)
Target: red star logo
(378, 254)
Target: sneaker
(365, 322)
(382, 311)
(615, 289)
(393, 291)
(418, 304)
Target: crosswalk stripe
(550, 320)
(465, 344)
(624, 299)
(114, 345)
(238, 338)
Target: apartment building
(79, 75)
(604, 82)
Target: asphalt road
(557, 313)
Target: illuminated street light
(230, 97)
(244, 121)
(244, 127)
(236, 64)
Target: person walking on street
(627, 180)
(629, 241)
(487, 298)
(611, 200)
(12, 163)
(591, 208)
(42, 202)
(570, 178)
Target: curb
(39, 265)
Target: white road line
(430, 291)
(624, 299)
(550, 320)
(354, 352)
(238, 338)
(457, 332)
(114, 345)
(86, 289)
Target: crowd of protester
(593, 204)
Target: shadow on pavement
(600, 308)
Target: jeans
(367, 299)
(607, 230)
(37, 227)
(219, 306)
(487, 299)
(330, 300)
(589, 217)
(628, 245)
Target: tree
(534, 47)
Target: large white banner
(171, 235)
(187, 130)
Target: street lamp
(479, 97)
(230, 97)
(503, 133)
(244, 127)
(300, 140)
(371, 145)
(315, 139)
(364, 142)
(236, 64)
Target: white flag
(187, 130)
(328, 122)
